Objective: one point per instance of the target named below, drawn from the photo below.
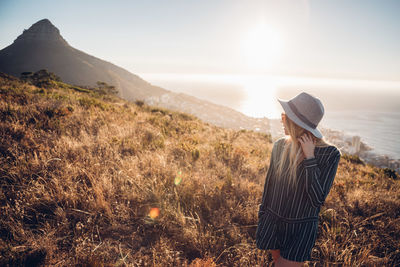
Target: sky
(345, 39)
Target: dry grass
(80, 172)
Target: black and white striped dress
(288, 218)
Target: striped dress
(288, 218)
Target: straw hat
(305, 110)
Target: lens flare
(178, 178)
(154, 213)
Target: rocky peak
(43, 30)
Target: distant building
(394, 164)
(356, 144)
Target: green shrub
(139, 103)
(186, 117)
(195, 154)
(159, 110)
(89, 102)
(152, 141)
(390, 173)
(353, 159)
(104, 88)
(223, 151)
(79, 89)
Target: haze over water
(370, 109)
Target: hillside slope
(88, 178)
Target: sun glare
(262, 46)
(261, 97)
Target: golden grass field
(89, 179)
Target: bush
(104, 88)
(353, 159)
(139, 103)
(195, 154)
(42, 78)
(390, 173)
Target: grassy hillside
(90, 179)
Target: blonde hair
(292, 154)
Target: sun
(262, 47)
(260, 99)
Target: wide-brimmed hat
(305, 110)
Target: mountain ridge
(43, 30)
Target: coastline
(349, 144)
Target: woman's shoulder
(277, 145)
(280, 141)
(328, 153)
(329, 149)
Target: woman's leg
(275, 254)
(282, 262)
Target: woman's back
(302, 200)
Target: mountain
(43, 47)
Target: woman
(300, 175)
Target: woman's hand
(308, 145)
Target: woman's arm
(319, 179)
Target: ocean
(369, 109)
(378, 129)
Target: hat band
(301, 117)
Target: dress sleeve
(319, 177)
(268, 178)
